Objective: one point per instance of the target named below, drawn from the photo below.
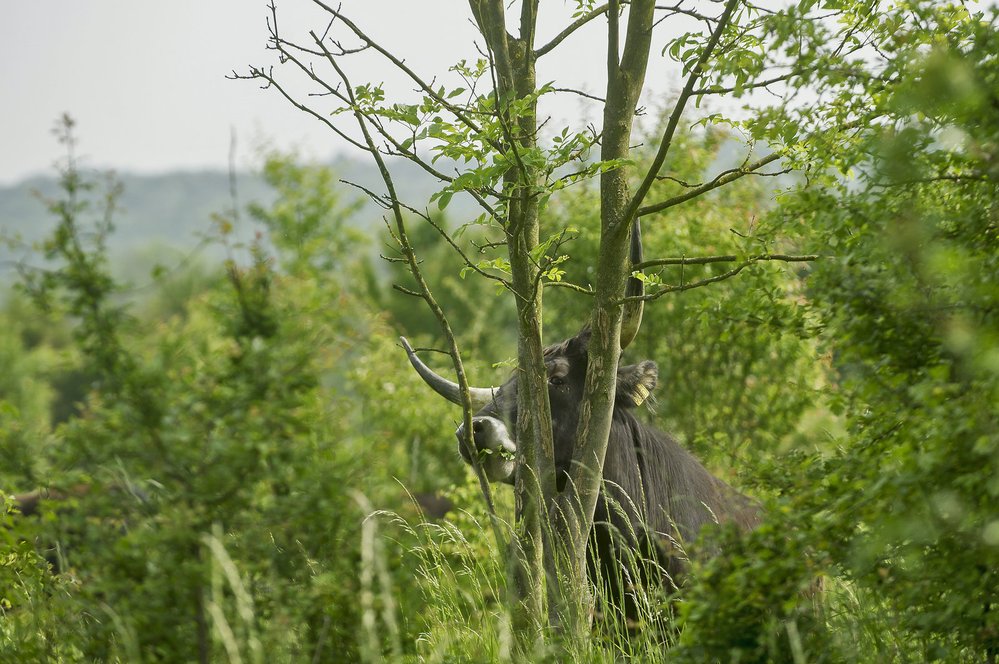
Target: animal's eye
(556, 381)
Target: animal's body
(656, 496)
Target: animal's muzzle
(493, 447)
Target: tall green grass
(462, 613)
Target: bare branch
(728, 258)
(674, 119)
(720, 180)
(694, 284)
(718, 277)
(570, 29)
(256, 73)
(580, 93)
(571, 286)
(458, 113)
(717, 90)
(458, 250)
(378, 199)
(384, 133)
(424, 291)
(407, 291)
(679, 9)
(396, 147)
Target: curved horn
(636, 288)
(480, 396)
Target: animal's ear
(635, 383)
(579, 343)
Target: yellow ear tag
(640, 395)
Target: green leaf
(444, 199)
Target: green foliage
(904, 307)
(914, 317)
(738, 371)
(248, 438)
(462, 581)
(234, 416)
(767, 615)
(308, 223)
(39, 621)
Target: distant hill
(170, 212)
(171, 207)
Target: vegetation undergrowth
(235, 464)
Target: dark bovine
(656, 496)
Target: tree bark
(514, 65)
(552, 531)
(575, 509)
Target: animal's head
(495, 408)
(494, 421)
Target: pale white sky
(146, 80)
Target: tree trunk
(625, 80)
(513, 62)
(552, 531)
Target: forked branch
(570, 29)
(746, 262)
(423, 288)
(719, 181)
(674, 120)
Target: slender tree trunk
(513, 62)
(625, 80)
(552, 531)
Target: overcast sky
(146, 81)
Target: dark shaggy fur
(656, 497)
